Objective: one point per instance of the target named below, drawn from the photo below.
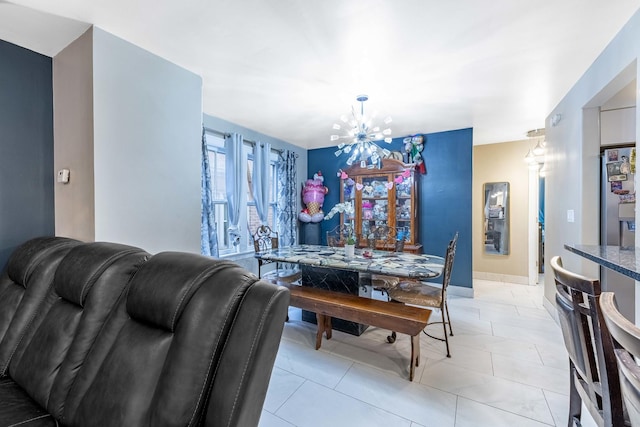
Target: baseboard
(551, 309)
(460, 291)
(497, 277)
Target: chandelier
(361, 136)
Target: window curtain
(260, 184)
(233, 178)
(208, 235)
(287, 199)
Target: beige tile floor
(508, 368)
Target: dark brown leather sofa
(102, 334)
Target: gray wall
(26, 147)
(73, 135)
(147, 148)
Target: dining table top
(399, 264)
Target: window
(248, 217)
(215, 146)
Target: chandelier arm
(362, 134)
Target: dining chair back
(265, 239)
(626, 342)
(336, 237)
(592, 365)
(427, 295)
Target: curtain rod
(225, 135)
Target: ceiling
(291, 68)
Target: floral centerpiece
(347, 209)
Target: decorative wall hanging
(413, 146)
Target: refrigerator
(617, 220)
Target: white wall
(573, 146)
(147, 148)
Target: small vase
(349, 251)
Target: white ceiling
(290, 68)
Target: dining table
(329, 268)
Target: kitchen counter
(625, 261)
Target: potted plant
(350, 246)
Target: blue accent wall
(26, 147)
(444, 197)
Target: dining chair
(336, 237)
(592, 364)
(427, 295)
(382, 237)
(265, 239)
(626, 343)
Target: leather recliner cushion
(87, 285)
(155, 359)
(24, 283)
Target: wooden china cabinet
(384, 202)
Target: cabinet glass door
(348, 196)
(376, 210)
(404, 217)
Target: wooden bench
(388, 315)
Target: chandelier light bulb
(337, 126)
(334, 137)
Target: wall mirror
(496, 218)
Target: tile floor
(508, 368)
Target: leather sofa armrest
(238, 393)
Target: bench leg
(324, 326)
(415, 355)
(320, 330)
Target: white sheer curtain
(233, 178)
(208, 236)
(260, 184)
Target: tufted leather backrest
(159, 353)
(86, 286)
(24, 283)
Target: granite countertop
(400, 264)
(621, 259)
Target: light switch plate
(63, 176)
(570, 215)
